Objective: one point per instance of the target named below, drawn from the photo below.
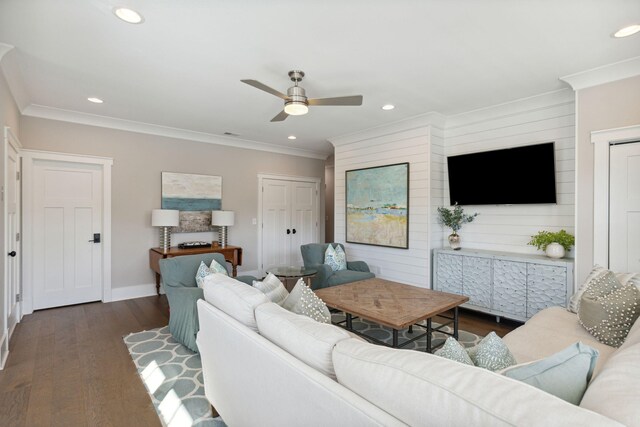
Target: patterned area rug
(172, 373)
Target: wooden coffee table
(395, 305)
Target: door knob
(294, 231)
(288, 231)
(12, 253)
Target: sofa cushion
(302, 300)
(453, 350)
(204, 271)
(565, 374)
(550, 331)
(608, 309)
(233, 297)
(335, 258)
(491, 353)
(399, 381)
(273, 288)
(348, 276)
(623, 278)
(614, 392)
(306, 339)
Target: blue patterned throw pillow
(335, 258)
(204, 271)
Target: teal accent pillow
(491, 353)
(335, 258)
(564, 374)
(204, 271)
(453, 350)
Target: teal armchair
(313, 257)
(179, 283)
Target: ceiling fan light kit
(296, 102)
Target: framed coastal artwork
(377, 206)
(195, 196)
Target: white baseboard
(135, 291)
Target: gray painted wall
(138, 161)
(607, 106)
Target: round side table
(290, 275)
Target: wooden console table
(232, 254)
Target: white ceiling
(182, 67)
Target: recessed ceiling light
(291, 137)
(128, 15)
(388, 107)
(95, 100)
(627, 31)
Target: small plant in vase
(555, 244)
(454, 218)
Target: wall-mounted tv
(519, 175)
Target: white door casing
(67, 198)
(286, 203)
(624, 207)
(12, 310)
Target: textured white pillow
(302, 300)
(273, 288)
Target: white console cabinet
(515, 286)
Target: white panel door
(304, 223)
(289, 219)
(624, 207)
(276, 220)
(12, 241)
(67, 212)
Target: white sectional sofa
(265, 366)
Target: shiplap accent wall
(382, 147)
(437, 186)
(544, 118)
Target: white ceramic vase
(454, 241)
(554, 250)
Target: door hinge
(17, 237)
(18, 297)
(18, 175)
(1, 194)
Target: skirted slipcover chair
(179, 283)
(313, 257)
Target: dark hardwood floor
(69, 366)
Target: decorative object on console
(454, 219)
(195, 196)
(377, 201)
(555, 244)
(165, 219)
(222, 219)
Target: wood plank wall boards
(545, 118)
(388, 147)
(437, 185)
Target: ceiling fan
(296, 102)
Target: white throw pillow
(273, 288)
(335, 258)
(302, 300)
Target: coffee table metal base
(429, 330)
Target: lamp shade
(165, 218)
(222, 218)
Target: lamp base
(165, 238)
(222, 236)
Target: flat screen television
(519, 175)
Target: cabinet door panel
(449, 275)
(476, 280)
(510, 287)
(546, 287)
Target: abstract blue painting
(195, 196)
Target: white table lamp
(165, 219)
(222, 219)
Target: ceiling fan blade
(280, 117)
(341, 100)
(265, 88)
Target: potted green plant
(454, 218)
(555, 244)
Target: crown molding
(9, 69)
(605, 74)
(50, 113)
(423, 120)
(4, 48)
